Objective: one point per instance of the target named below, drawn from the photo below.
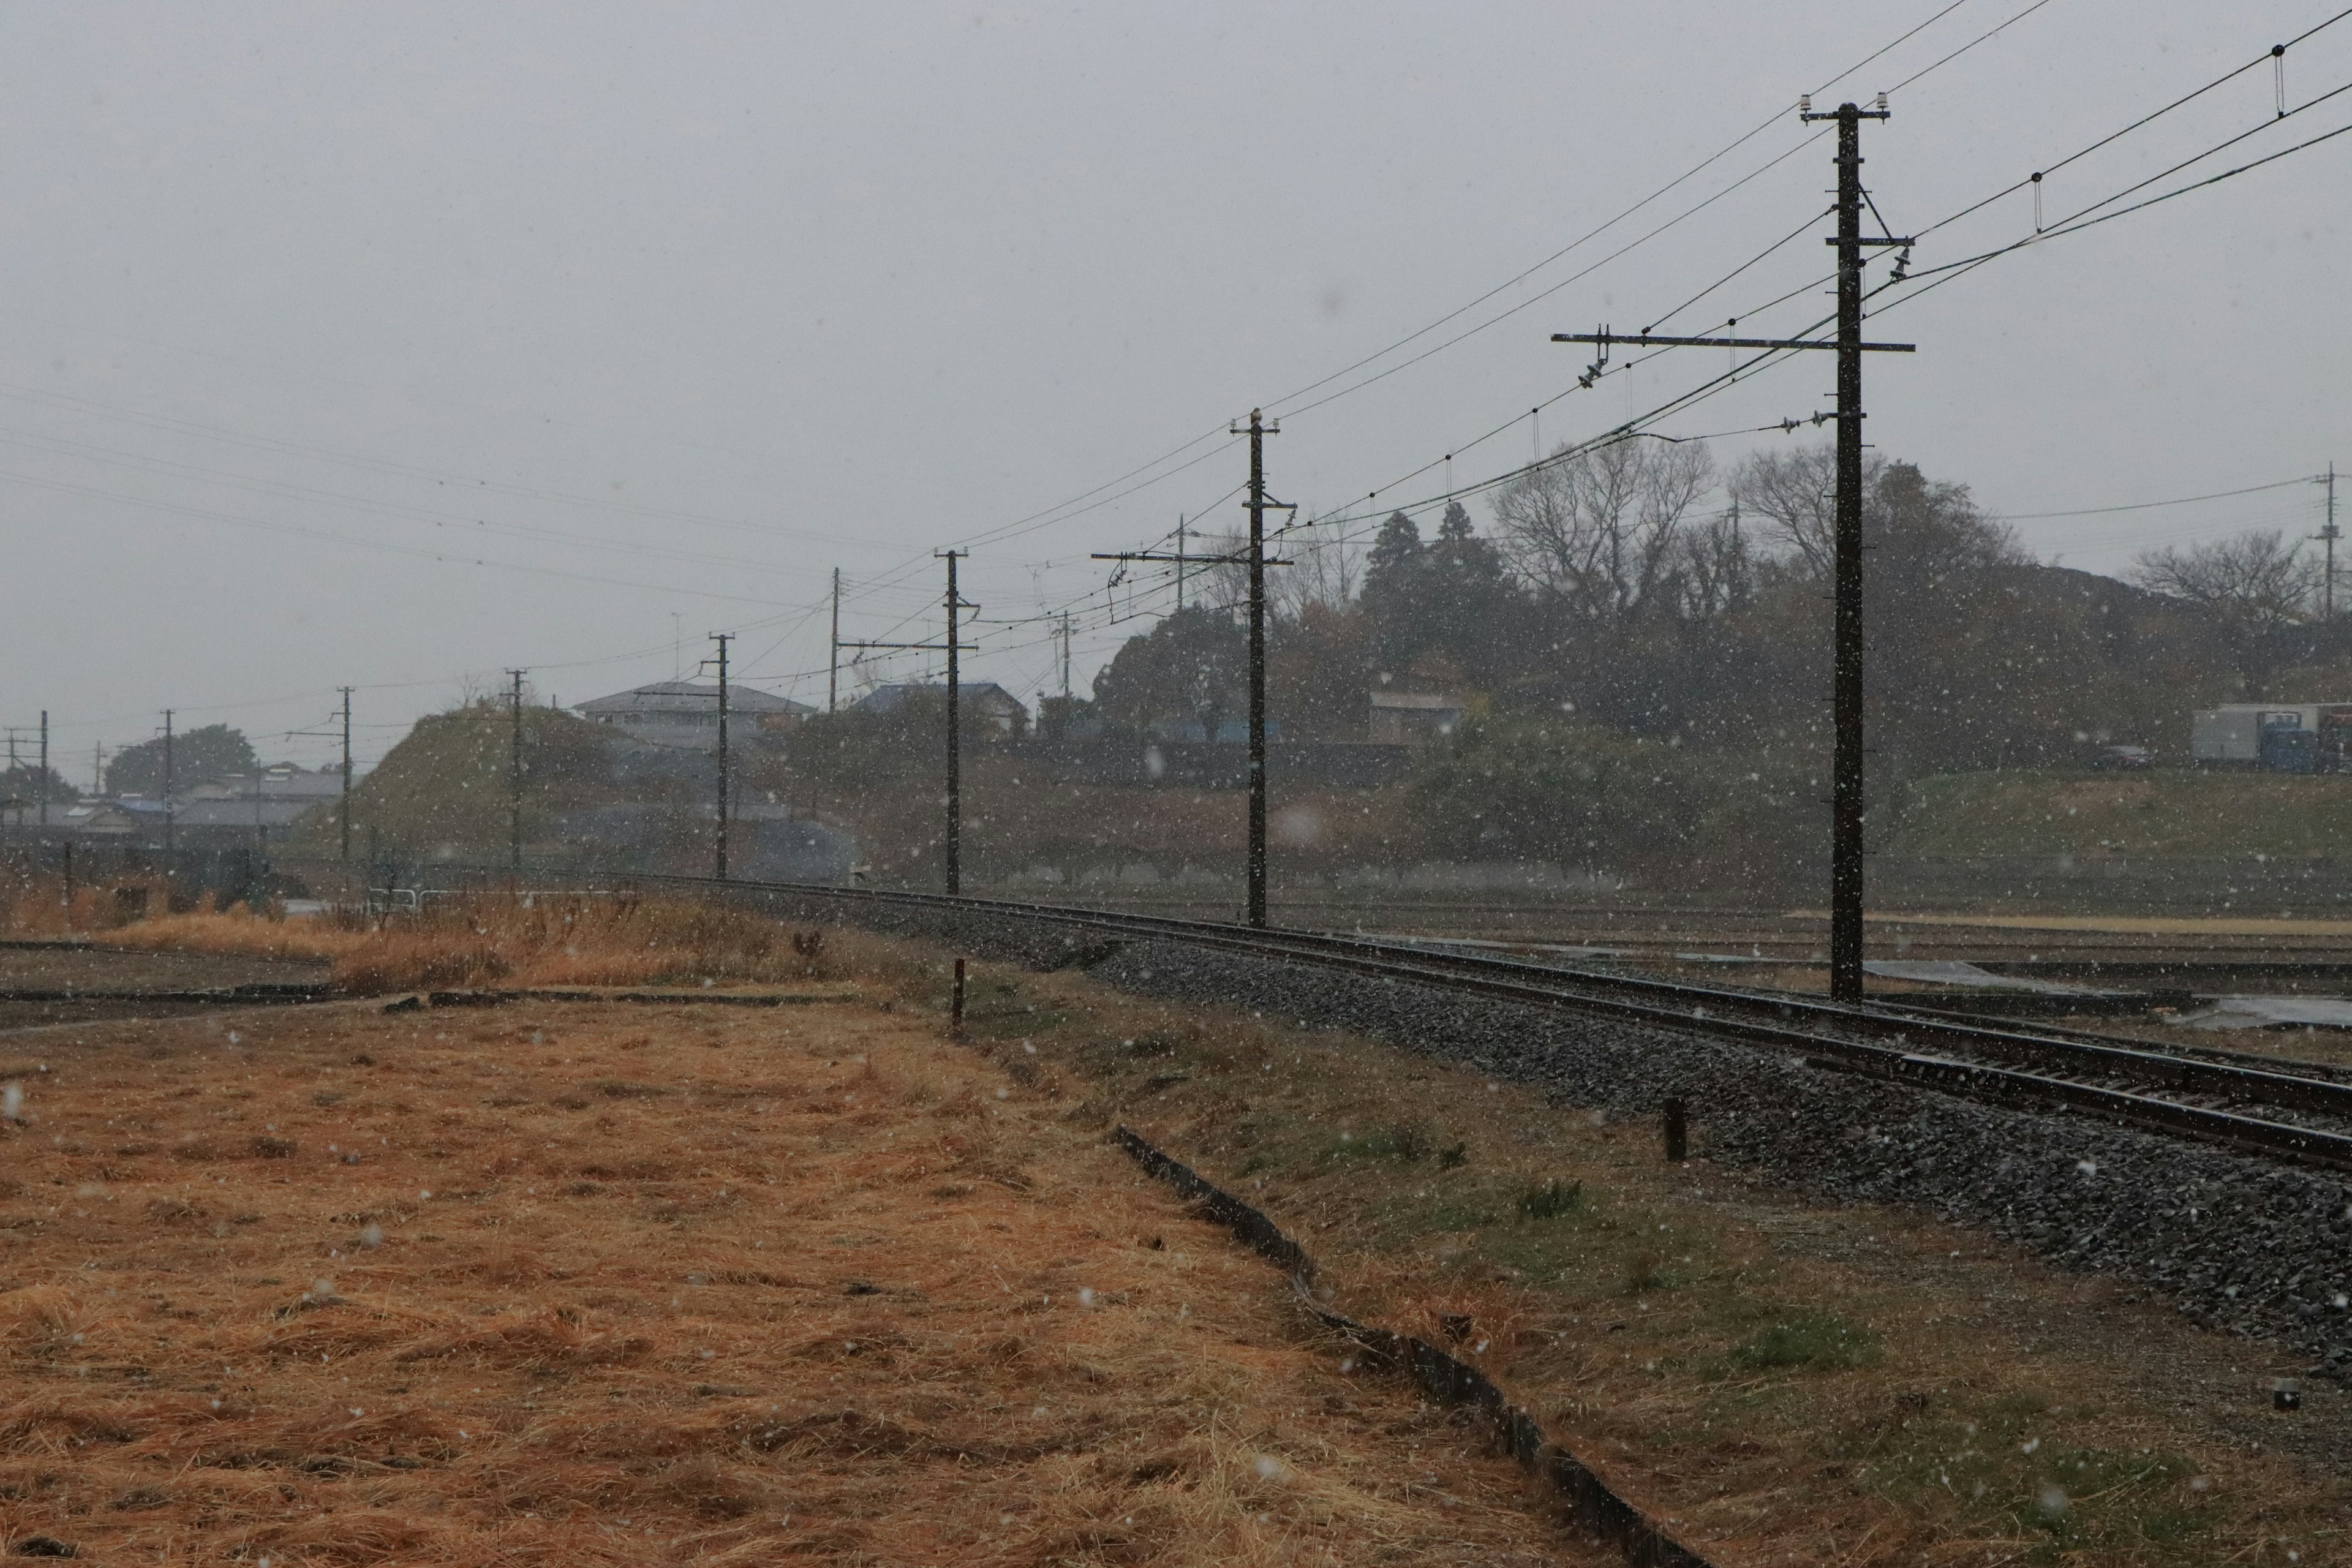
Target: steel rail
(1889, 1044)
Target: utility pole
(1179, 562)
(1255, 559)
(344, 814)
(15, 787)
(954, 645)
(1846, 775)
(2328, 535)
(169, 813)
(955, 731)
(722, 639)
(44, 786)
(1258, 431)
(1067, 631)
(514, 777)
(833, 667)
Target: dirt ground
(592, 1283)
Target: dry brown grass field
(586, 1283)
(1780, 1381)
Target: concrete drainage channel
(1442, 1376)
(2239, 1244)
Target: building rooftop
(686, 698)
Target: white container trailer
(2231, 734)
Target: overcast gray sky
(393, 345)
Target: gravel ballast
(2239, 1244)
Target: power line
(2148, 505)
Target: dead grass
(1779, 1381)
(578, 1284)
(501, 939)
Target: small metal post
(1677, 1131)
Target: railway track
(2284, 1111)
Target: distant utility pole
(1846, 779)
(2328, 535)
(722, 639)
(514, 776)
(833, 667)
(43, 784)
(1179, 562)
(1254, 558)
(345, 813)
(1065, 664)
(169, 811)
(955, 644)
(955, 730)
(15, 787)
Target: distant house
(1413, 718)
(685, 713)
(1003, 710)
(279, 782)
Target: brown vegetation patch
(763, 1330)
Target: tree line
(1643, 641)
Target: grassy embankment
(2167, 812)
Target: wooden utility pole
(722, 639)
(2328, 535)
(1846, 775)
(955, 644)
(169, 813)
(344, 811)
(1258, 431)
(1255, 559)
(514, 776)
(955, 730)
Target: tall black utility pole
(955, 732)
(168, 811)
(2329, 536)
(514, 776)
(1846, 765)
(1846, 798)
(833, 667)
(1255, 559)
(344, 813)
(1258, 431)
(722, 639)
(954, 645)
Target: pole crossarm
(1643, 340)
(1186, 560)
(932, 647)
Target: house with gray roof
(685, 713)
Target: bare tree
(1599, 531)
(2258, 587)
(1717, 571)
(1792, 499)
